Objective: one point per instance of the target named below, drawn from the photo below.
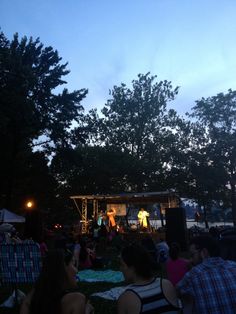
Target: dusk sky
(191, 43)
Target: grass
(101, 306)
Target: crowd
(203, 282)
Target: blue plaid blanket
(19, 263)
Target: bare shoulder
(73, 302)
(73, 297)
(169, 292)
(166, 283)
(128, 302)
(127, 295)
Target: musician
(143, 218)
(100, 219)
(111, 213)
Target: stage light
(57, 226)
(30, 204)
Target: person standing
(143, 219)
(210, 286)
(100, 219)
(111, 213)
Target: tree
(32, 112)
(134, 117)
(93, 170)
(137, 121)
(217, 115)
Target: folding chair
(19, 263)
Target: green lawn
(100, 305)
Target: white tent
(7, 216)
(6, 227)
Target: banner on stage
(119, 208)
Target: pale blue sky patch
(106, 42)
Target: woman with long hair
(56, 290)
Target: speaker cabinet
(176, 227)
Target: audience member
(60, 241)
(118, 241)
(43, 247)
(56, 289)
(86, 255)
(146, 294)
(76, 251)
(176, 267)
(210, 286)
(148, 243)
(162, 250)
(103, 231)
(15, 237)
(214, 232)
(228, 243)
(96, 229)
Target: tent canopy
(7, 216)
(6, 227)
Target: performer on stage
(100, 219)
(143, 218)
(111, 213)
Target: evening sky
(106, 42)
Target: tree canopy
(51, 149)
(31, 109)
(133, 117)
(217, 116)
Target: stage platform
(132, 236)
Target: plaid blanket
(20, 262)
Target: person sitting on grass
(210, 286)
(162, 250)
(176, 267)
(56, 289)
(146, 294)
(86, 256)
(76, 251)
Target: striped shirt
(152, 298)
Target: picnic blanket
(108, 275)
(19, 262)
(112, 294)
(11, 300)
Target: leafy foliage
(134, 117)
(217, 145)
(31, 110)
(137, 121)
(136, 144)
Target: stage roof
(144, 197)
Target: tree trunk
(205, 217)
(233, 201)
